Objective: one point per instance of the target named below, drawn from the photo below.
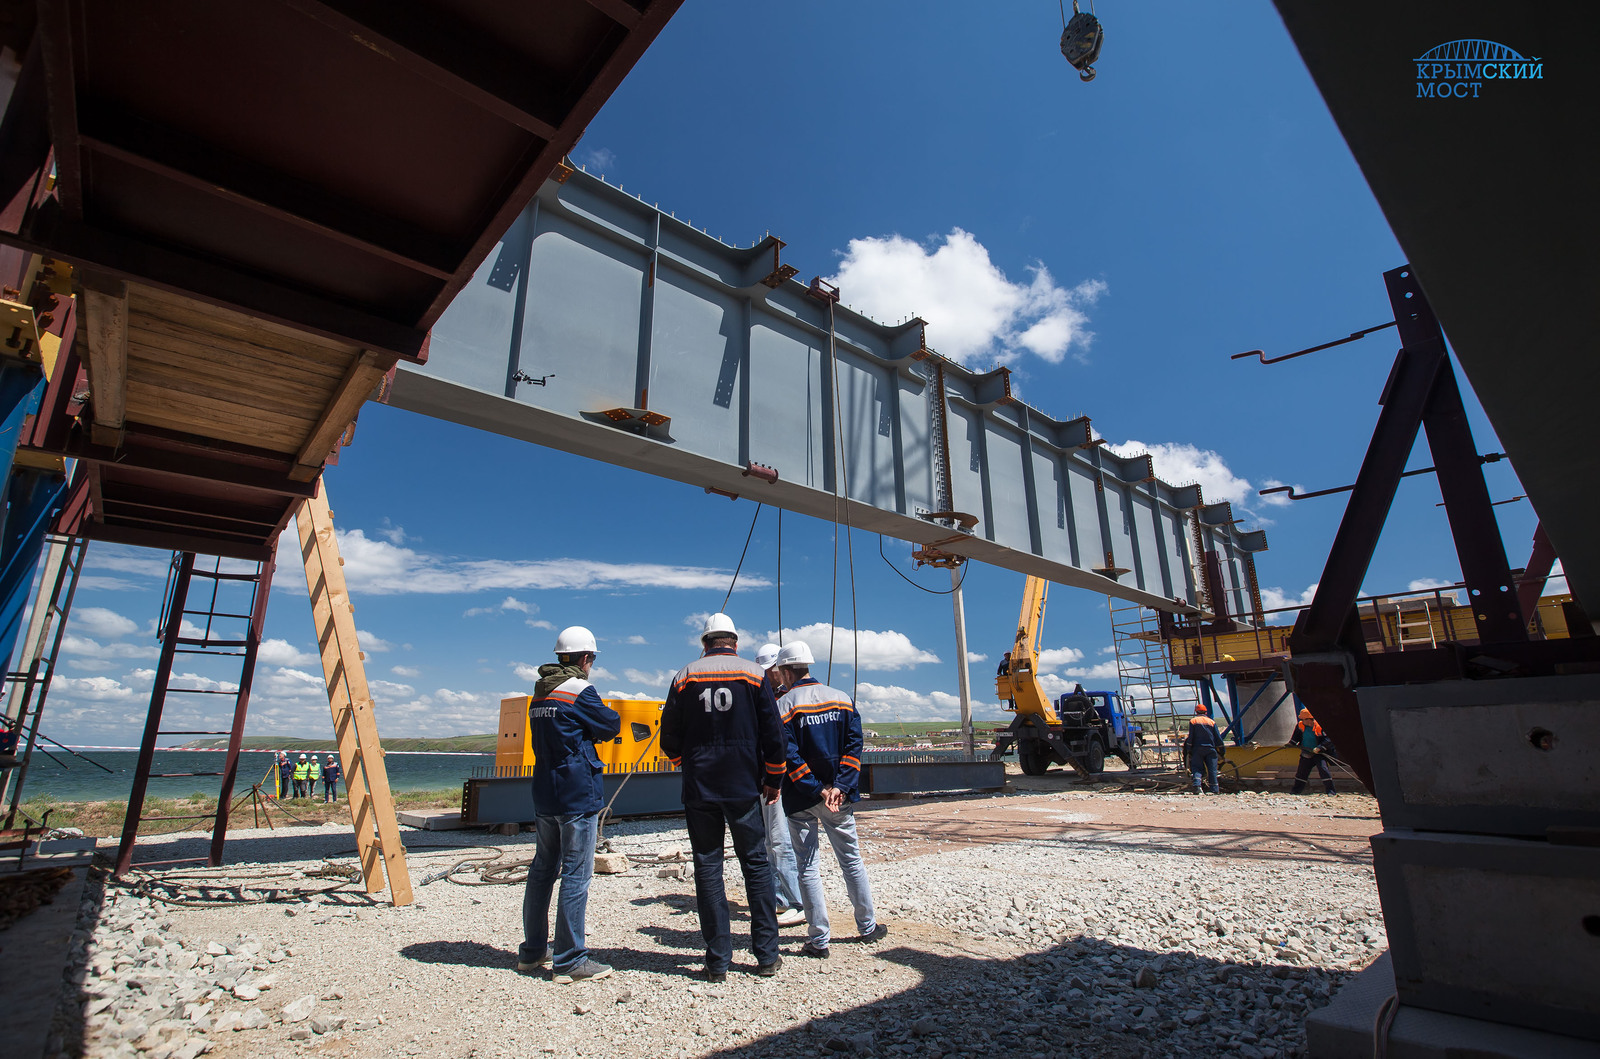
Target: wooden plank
(105, 308)
(349, 697)
(204, 379)
(359, 382)
(231, 323)
(253, 354)
(360, 801)
(226, 420)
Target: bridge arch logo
(1460, 69)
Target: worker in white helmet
(780, 849)
(566, 718)
(720, 725)
(822, 783)
(302, 773)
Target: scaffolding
(1158, 700)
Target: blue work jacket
(720, 724)
(1203, 737)
(566, 724)
(824, 744)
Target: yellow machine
(637, 748)
(1018, 679)
(1079, 729)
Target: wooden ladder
(371, 804)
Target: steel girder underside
(604, 327)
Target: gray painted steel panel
(509, 799)
(1461, 755)
(920, 777)
(1493, 928)
(624, 307)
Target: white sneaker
(791, 917)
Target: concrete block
(1345, 1029)
(1500, 757)
(1502, 929)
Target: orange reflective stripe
(776, 770)
(852, 762)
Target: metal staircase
(29, 683)
(225, 624)
(1162, 702)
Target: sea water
(73, 779)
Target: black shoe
(714, 977)
(819, 952)
(767, 970)
(875, 934)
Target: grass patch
(104, 819)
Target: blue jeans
(1203, 766)
(805, 827)
(745, 824)
(780, 852)
(565, 848)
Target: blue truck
(1087, 727)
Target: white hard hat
(719, 624)
(796, 654)
(767, 656)
(575, 639)
(302, 757)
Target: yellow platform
(637, 748)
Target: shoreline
(103, 818)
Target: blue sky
(1112, 242)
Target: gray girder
(665, 350)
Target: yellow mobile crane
(1079, 729)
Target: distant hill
(459, 744)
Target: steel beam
(604, 327)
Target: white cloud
(392, 533)
(283, 653)
(636, 639)
(658, 678)
(373, 643)
(539, 623)
(973, 311)
(1054, 658)
(973, 656)
(600, 673)
(1423, 584)
(526, 672)
(1179, 464)
(375, 567)
(125, 559)
(461, 698)
(891, 702)
(509, 603)
(598, 160)
(405, 671)
(1108, 649)
(98, 689)
(1277, 599)
(632, 696)
(884, 650)
(84, 647)
(103, 623)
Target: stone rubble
(1076, 943)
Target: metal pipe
(963, 677)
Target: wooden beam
(357, 385)
(105, 316)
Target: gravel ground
(1025, 924)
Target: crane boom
(1018, 680)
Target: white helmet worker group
(575, 639)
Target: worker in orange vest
(1201, 748)
(1315, 748)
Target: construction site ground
(1047, 920)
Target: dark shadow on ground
(1079, 998)
(461, 953)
